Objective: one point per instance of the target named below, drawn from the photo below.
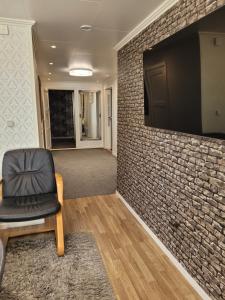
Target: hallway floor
(87, 172)
(136, 267)
(63, 143)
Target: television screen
(184, 79)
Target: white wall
(76, 86)
(111, 83)
(18, 110)
(213, 87)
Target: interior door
(41, 116)
(157, 90)
(109, 119)
(47, 121)
(89, 121)
(62, 118)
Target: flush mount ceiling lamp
(86, 27)
(80, 72)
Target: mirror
(184, 79)
(90, 115)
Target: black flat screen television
(184, 79)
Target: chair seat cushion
(16, 209)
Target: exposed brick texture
(174, 181)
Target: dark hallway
(62, 119)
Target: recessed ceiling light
(49, 79)
(49, 73)
(51, 63)
(53, 46)
(81, 72)
(86, 27)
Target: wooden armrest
(59, 185)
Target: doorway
(89, 120)
(90, 124)
(62, 119)
(109, 129)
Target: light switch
(4, 30)
(10, 124)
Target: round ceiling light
(86, 27)
(81, 72)
(53, 46)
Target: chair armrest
(59, 185)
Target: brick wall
(174, 181)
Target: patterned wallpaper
(17, 100)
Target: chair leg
(59, 233)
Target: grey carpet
(88, 172)
(33, 270)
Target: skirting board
(21, 224)
(176, 263)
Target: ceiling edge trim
(166, 5)
(11, 21)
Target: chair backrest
(28, 172)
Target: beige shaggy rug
(34, 271)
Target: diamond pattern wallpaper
(18, 117)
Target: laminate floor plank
(136, 266)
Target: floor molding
(177, 264)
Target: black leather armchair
(31, 190)
(2, 259)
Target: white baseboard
(114, 154)
(177, 264)
(21, 224)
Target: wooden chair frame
(59, 228)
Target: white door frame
(46, 109)
(111, 83)
(85, 144)
(108, 118)
(68, 86)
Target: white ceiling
(59, 21)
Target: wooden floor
(137, 268)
